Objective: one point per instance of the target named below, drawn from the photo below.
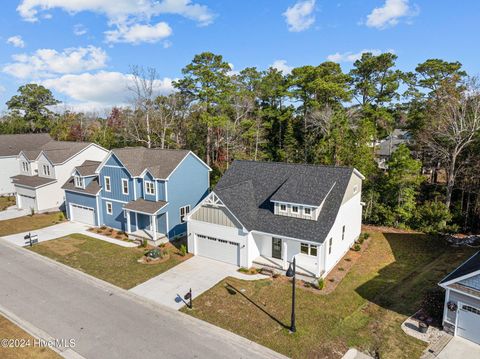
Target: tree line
(315, 114)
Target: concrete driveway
(460, 348)
(198, 273)
(13, 212)
(62, 230)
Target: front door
(276, 248)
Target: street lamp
(291, 274)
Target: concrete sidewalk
(62, 230)
(198, 273)
(13, 212)
(106, 321)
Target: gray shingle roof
(468, 267)
(12, 145)
(31, 181)
(160, 163)
(141, 205)
(87, 168)
(60, 151)
(93, 187)
(247, 188)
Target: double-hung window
(124, 186)
(183, 212)
(283, 208)
(309, 249)
(294, 209)
(46, 170)
(149, 188)
(78, 182)
(109, 207)
(307, 211)
(108, 185)
(25, 166)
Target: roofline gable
(105, 160)
(465, 276)
(183, 159)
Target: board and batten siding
(216, 215)
(353, 188)
(187, 185)
(116, 175)
(314, 211)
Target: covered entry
(218, 249)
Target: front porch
(147, 220)
(278, 265)
(149, 235)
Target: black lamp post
(291, 274)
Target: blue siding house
(146, 193)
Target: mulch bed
(383, 229)
(111, 233)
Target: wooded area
(315, 114)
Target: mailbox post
(188, 297)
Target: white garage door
(27, 202)
(82, 214)
(219, 249)
(468, 323)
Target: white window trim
(280, 208)
(24, 166)
(46, 168)
(309, 251)
(109, 204)
(125, 180)
(305, 213)
(298, 209)
(109, 187)
(185, 213)
(79, 182)
(146, 188)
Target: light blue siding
(161, 190)
(187, 185)
(80, 199)
(115, 220)
(148, 177)
(116, 175)
(88, 180)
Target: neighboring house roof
(471, 266)
(390, 144)
(60, 151)
(159, 162)
(31, 181)
(87, 168)
(92, 188)
(248, 187)
(12, 145)
(148, 207)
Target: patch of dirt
(64, 248)
(383, 229)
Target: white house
(43, 173)
(10, 147)
(265, 213)
(461, 314)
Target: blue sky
(83, 49)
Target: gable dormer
(26, 167)
(45, 167)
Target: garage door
(217, 248)
(82, 214)
(468, 323)
(27, 202)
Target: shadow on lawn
(421, 261)
(231, 289)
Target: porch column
(285, 255)
(153, 221)
(129, 225)
(319, 261)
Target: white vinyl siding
(296, 210)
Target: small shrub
(32, 211)
(118, 236)
(144, 243)
(110, 230)
(320, 283)
(183, 250)
(243, 270)
(121, 233)
(365, 235)
(103, 228)
(162, 245)
(61, 216)
(360, 240)
(357, 247)
(341, 269)
(275, 275)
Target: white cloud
(390, 13)
(100, 90)
(79, 29)
(281, 65)
(137, 33)
(48, 62)
(2, 89)
(299, 17)
(16, 41)
(353, 56)
(118, 11)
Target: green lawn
(109, 262)
(29, 223)
(6, 202)
(365, 311)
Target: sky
(83, 50)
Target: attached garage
(468, 323)
(217, 248)
(27, 202)
(82, 214)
